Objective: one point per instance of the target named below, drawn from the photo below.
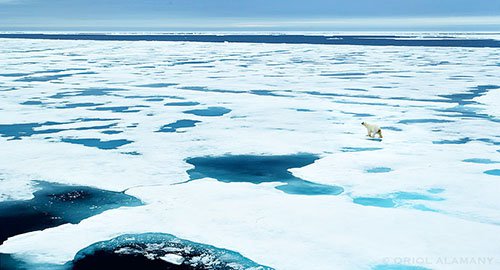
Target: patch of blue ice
(371, 201)
(98, 143)
(210, 111)
(183, 123)
(78, 105)
(495, 172)
(480, 161)
(182, 103)
(260, 169)
(397, 199)
(423, 121)
(378, 170)
(32, 102)
(435, 190)
(119, 109)
(157, 85)
(458, 141)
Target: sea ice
(86, 113)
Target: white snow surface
(268, 226)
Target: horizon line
(267, 24)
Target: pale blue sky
(319, 15)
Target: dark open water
(367, 40)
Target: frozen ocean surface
(257, 149)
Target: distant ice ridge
(437, 107)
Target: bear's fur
(372, 130)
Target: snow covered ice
(128, 116)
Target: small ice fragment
(173, 258)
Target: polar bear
(372, 130)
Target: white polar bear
(372, 130)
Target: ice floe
(87, 113)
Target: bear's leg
(380, 133)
